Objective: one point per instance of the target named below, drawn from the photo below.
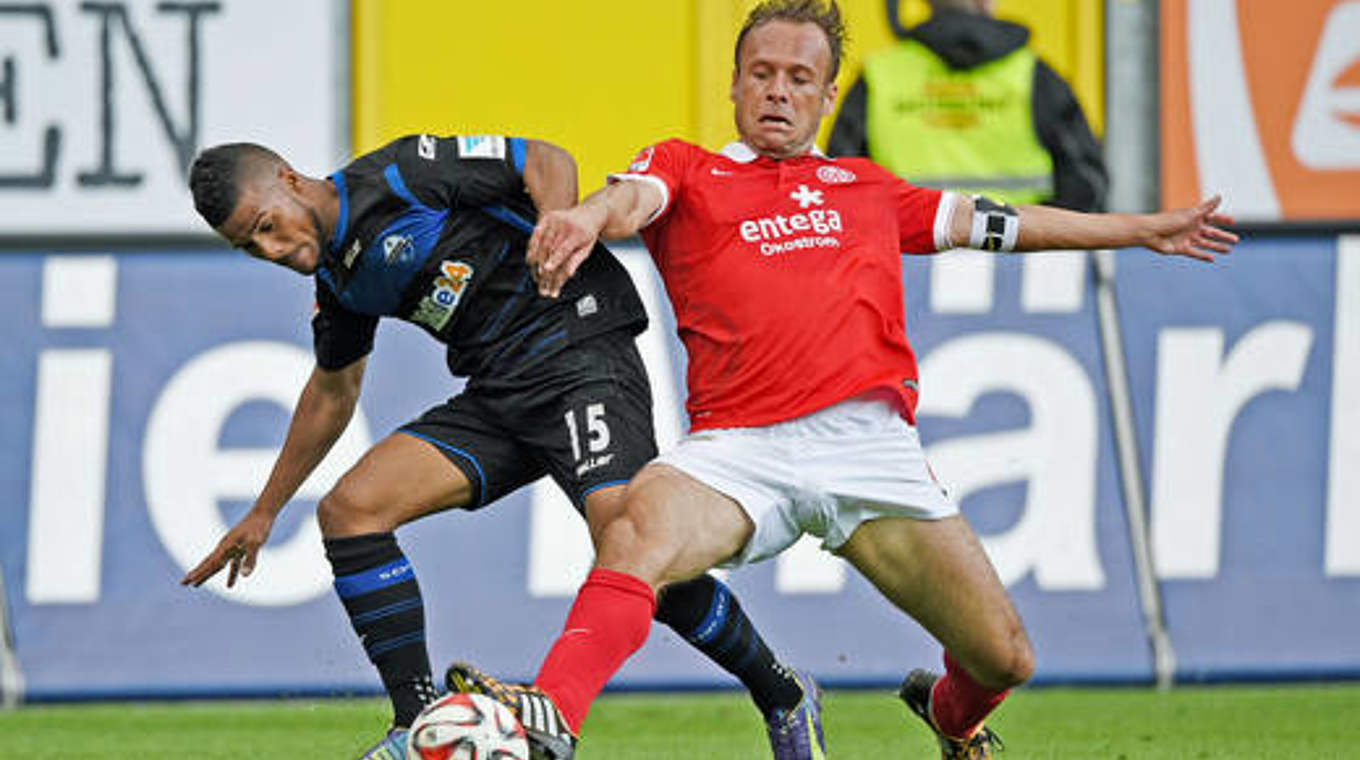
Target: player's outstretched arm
(563, 239)
(1196, 232)
(323, 411)
(549, 176)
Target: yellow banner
(606, 77)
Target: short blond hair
(826, 15)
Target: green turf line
(1316, 722)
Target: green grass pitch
(1316, 722)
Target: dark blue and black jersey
(433, 231)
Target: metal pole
(1131, 151)
(1130, 469)
(11, 678)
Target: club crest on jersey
(642, 161)
(435, 309)
(835, 175)
(397, 249)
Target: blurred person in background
(963, 103)
(433, 231)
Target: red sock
(609, 621)
(958, 703)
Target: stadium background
(150, 372)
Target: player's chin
(777, 143)
(304, 260)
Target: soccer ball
(467, 727)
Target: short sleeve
(922, 217)
(340, 337)
(662, 165)
(468, 171)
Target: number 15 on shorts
(589, 434)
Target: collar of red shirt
(743, 154)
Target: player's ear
(829, 99)
(290, 178)
(732, 91)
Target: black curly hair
(217, 173)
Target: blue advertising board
(146, 394)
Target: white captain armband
(995, 225)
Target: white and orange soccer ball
(467, 727)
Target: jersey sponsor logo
(396, 249)
(435, 309)
(643, 160)
(835, 175)
(814, 228)
(770, 231)
(715, 171)
(806, 197)
(481, 146)
(425, 146)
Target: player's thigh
(673, 527)
(398, 480)
(937, 572)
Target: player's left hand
(561, 241)
(1195, 232)
(237, 550)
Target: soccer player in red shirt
(783, 269)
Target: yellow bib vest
(970, 130)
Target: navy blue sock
(704, 611)
(377, 585)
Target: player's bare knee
(344, 512)
(1020, 667)
(1011, 663)
(632, 544)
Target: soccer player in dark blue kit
(433, 231)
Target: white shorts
(822, 474)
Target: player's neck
(327, 199)
(792, 151)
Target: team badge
(642, 161)
(397, 249)
(835, 175)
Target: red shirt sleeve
(921, 217)
(664, 165)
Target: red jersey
(786, 277)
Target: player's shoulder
(672, 150)
(377, 159)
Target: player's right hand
(237, 550)
(561, 241)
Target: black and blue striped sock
(377, 585)
(704, 611)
